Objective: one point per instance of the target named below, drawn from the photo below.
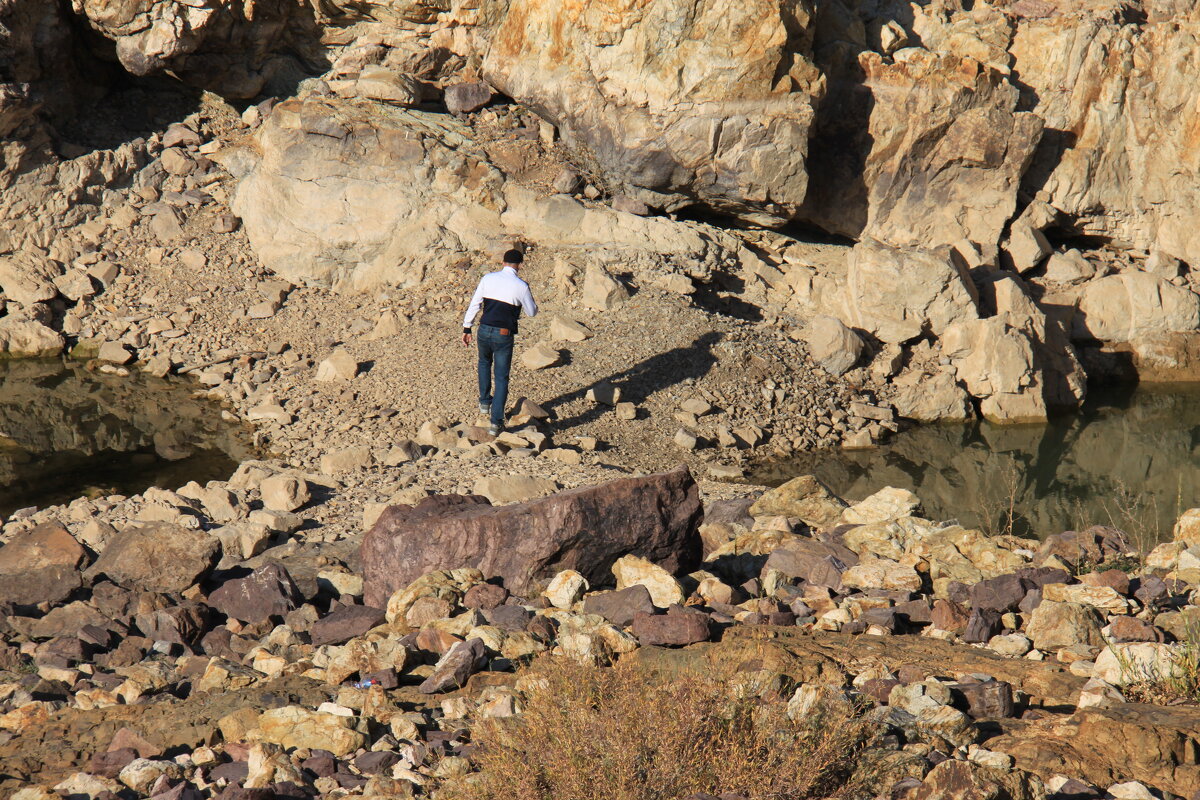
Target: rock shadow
(642, 380)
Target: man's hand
(466, 339)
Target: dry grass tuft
(628, 733)
(1177, 684)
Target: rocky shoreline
(173, 659)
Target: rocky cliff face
(949, 139)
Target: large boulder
(656, 517)
(27, 338)
(40, 565)
(924, 149)
(676, 100)
(937, 291)
(1133, 305)
(157, 557)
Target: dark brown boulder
(656, 517)
(182, 624)
(157, 557)
(1002, 593)
(985, 699)
(620, 607)
(484, 596)
(344, 624)
(676, 628)
(40, 565)
(267, 592)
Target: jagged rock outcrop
(677, 100)
(921, 150)
(1121, 105)
(236, 49)
(335, 193)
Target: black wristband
(466, 331)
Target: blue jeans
(495, 351)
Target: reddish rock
(40, 566)
(1115, 579)
(620, 607)
(1132, 629)
(267, 592)
(431, 640)
(484, 596)
(949, 616)
(345, 624)
(678, 627)
(656, 517)
(110, 764)
(129, 738)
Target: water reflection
(65, 432)
(1128, 459)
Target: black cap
(513, 257)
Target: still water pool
(1129, 458)
(67, 432)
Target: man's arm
(472, 310)
(528, 304)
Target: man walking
(503, 297)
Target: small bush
(627, 733)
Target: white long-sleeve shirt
(502, 296)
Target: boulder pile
(174, 659)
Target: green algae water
(67, 432)
(1130, 458)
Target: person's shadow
(644, 379)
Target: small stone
(540, 356)
(350, 459)
(114, 353)
(685, 439)
(339, 366)
(284, 493)
(626, 411)
(605, 394)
